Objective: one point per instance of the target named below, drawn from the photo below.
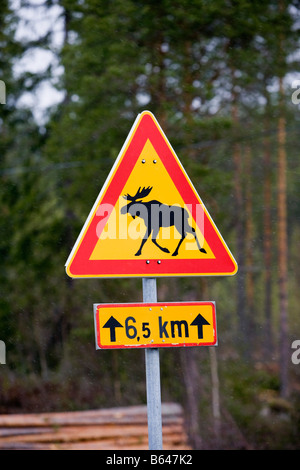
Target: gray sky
(34, 23)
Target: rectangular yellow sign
(146, 325)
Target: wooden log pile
(105, 429)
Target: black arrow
(112, 324)
(200, 322)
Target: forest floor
(252, 413)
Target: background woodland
(222, 78)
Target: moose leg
(183, 235)
(154, 235)
(193, 232)
(146, 236)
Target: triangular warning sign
(148, 220)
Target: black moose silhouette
(157, 215)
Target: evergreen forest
(222, 77)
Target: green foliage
(252, 396)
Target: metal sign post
(153, 378)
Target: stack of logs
(107, 429)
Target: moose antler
(139, 194)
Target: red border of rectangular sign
(156, 304)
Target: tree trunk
(282, 248)
(249, 245)
(192, 388)
(268, 336)
(240, 229)
(215, 391)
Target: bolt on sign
(146, 325)
(148, 220)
